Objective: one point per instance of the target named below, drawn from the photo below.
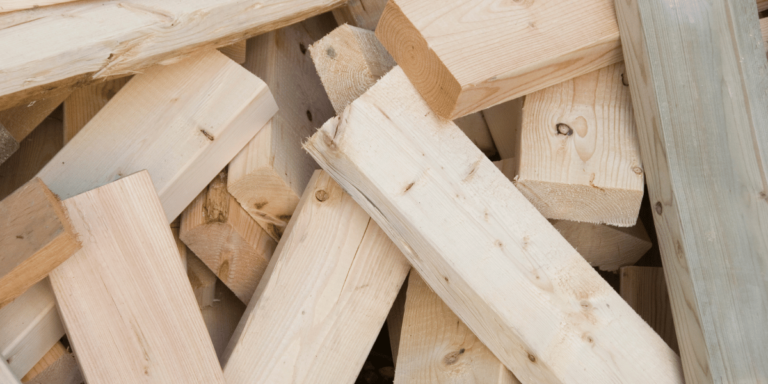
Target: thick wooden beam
(605, 246)
(232, 245)
(124, 297)
(84, 103)
(698, 78)
(505, 122)
(202, 280)
(268, 176)
(34, 153)
(113, 38)
(360, 13)
(436, 347)
(581, 157)
(197, 114)
(19, 5)
(35, 237)
(645, 290)
(471, 56)
(418, 183)
(324, 297)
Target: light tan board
(236, 51)
(580, 157)
(436, 347)
(504, 123)
(473, 55)
(645, 291)
(324, 297)
(268, 176)
(704, 145)
(202, 280)
(222, 317)
(29, 327)
(474, 239)
(20, 121)
(219, 231)
(181, 122)
(113, 38)
(124, 298)
(35, 237)
(18, 5)
(605, 246)
(34, 152)
(84, 103)
(360, 13)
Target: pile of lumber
(373, 191)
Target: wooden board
(580, 157)
(112, 39)
(84, 103)
(645, 290)
(29, 327)
(704, 145)
(35, 237)
(324, 297)
(360, 13)
(474, 239)
(268, 176)
(232, 245)
(236, 51)
(473, 55)
(18, 5)
(605, 246)
(124, 297)
(505, 125)
(197, 114)
(436, 347)
(34, 153)
(222, 317)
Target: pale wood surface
(57, 351)
(474, 239)
(222, 317)
(236, 51)
(698, 78)
(505, 122)
(35, 237)
(202, 280)
(360, 13)
(84, 103)
(6, 375)
(124, 298)
(645, 290)
(605, 246)
(436, 347)
(475, 54)
(18, 5)
(580, 157)
(197, 114)
(269, 175)
(29, 327)
(115, 38)
(8, 144)
(34, 153)
(20, 121)
(324, 297)
(222, 234)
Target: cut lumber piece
(704, 145)
(222, 234)
(605, 246)
(269, 175)
(29, 327)
(476, 129)
(6, 375)
(124, 297)
(436, 347)
(35, 237)
(62, 371)
(202, 280)
(360, 13)
(505, 123)
(182, 122)
(395, 321)
(113, 38)
(34, 153)
(581, 158)
(222, 317)
(324, 297)
(236, 51)
(564, 324)
(645, 290)
(20, 121)
(19, 5)
(84, 103)
(471, 56)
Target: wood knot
(637, 170)
(321, 195)
(331, 52)
(658, 207)
(453, 357)
(564, 129)
(532, 358)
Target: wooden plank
(704, 145)
(582, 158)
(124, 297)
(222, 317)
(268, 176)
(34, 153)
(471, 56)
(6, 376)
(197, 114)
(29, 327)
(110, 38)
(505, 124)
(605, 246)
(19, 5)
(236, 51)
(8, 144)
(35, 237)
(436, 347)
(440, 199)
(84, 103)
(202, 280)
(324, 297)
(232, 245)
(360, 13)
(645, 290)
